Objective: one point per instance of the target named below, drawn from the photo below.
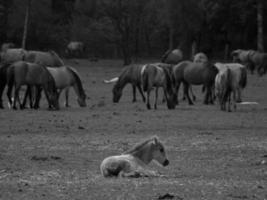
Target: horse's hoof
(148, 107)
(190, 103)
(14, 108)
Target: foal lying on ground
(133, 163)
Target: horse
(172, 56)
(157, 75)
(49, 58)
(66, 77)
(188, 72)
(133, 163)
(31, 74)
(130, 74)
(75, 48)
(200, 58)
(3, 80)
(238, 77)
(12, 55)
(223, 88)
(6, 46)
(251, 59)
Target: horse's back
(13, 55)
(113, 165)
(62, 76)
(172, 57)
(49, 58)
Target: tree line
(135, 28)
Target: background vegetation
(135, 28)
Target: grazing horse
(157, 75)
(49, 58)
(223, 88)
(75, 48)
(188, 72)
(251, 59)
(133, 163)
(66, 77)
(12, 55)
(31, 74)
(3, 80)
(238, 77)
(172, 56)
(130, 74)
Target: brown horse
(190, 73)
(12, 55)
(155, 76)
(130, 74)
(50, 58)
(172, 56)
(31, 74)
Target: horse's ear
(155, 140)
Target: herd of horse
(39, 71)
(46, 71)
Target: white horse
(133, 163)
(239, 77)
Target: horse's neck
(143, 154)
(123, 80)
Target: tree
(260, 46)
(26, 23)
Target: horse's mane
(138, 146)
(52, 52)
(77, 78)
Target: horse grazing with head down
(155, 76)
(130, 74)
(133, 163)
(31, 74)
(190, 73)
(238, 78)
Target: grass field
(56, 154)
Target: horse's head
(158, 152)
(82, 100)
(117, 92)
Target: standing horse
(157, 75)
(251, 59)
(49, 58)
(75, 48)
(12, 55)
(31, 74)
(133, 163)
(200, 58)
(172, 56)
(130, 74)
(6, 46)
(238, 77)
(223, 88)
(188, 72)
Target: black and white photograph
(133, 99)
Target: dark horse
(157, 75)
(188, 73)
(3, 80)
(31, 74)
(130, 74)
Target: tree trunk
(260, 46)
(26, 23)
(3, 20)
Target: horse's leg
(27, 93)
(186, 88)
(134, 93)
(9, 94)
(141, 92)
(177, 86)
(238, 100)
(184, 95)
(2, 87)
(66, 97)
(229, 102)
(156, 97)
(37, 97)
(207, 95)
(16, 97)
(148, 100)
(192, 93)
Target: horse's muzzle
(166, 162)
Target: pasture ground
(56, 154)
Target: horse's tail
(145, 80)
(243, 78)
(113, 80)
